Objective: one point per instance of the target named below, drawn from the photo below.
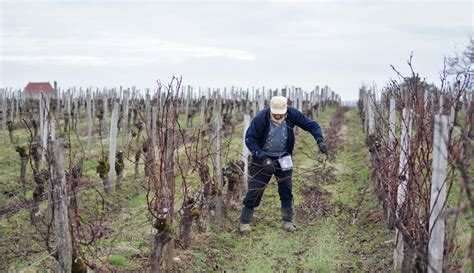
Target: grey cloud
(338, 43)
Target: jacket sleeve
(253, 134)
(309, 125)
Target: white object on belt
(286, 163)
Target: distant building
(34, 89)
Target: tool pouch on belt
(268, 166)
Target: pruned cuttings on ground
(316, 203)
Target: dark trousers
(259, 181)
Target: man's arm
(253, 134)
(309, 125)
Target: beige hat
(278, 105)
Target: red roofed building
(34, 89)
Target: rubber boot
(289, 227)
(287, 214)
(245, 218)
(287, 217)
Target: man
(270, 139)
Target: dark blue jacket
(258, 130)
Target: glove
(268, 166)
(323, 148)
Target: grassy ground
(333, 242)
(340, 225)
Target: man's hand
(268, 166)
(323, 148)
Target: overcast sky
(222, 43)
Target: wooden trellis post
(69, 98)
(261, 99)
(12, 108)
(147, 111)
(320, 94)
(441, 104)
(131, 122)
(268, 96)
(245, 152)
(318, 99)
(112, 148)
(470, 112)
(391, 128)
(153, 129)
(438, 195)
(245, 100)
(218, 170)
(89, 125)
(44, 109)
(76, 112)
(60, 201)
(425, 99)
(93, 96)
(289, 92)
(18, 106)
(52, 129)
(73, 109)
(452, 114)
(57, 96)
(366, 112)
(235, 98)
(371, 109)
(125, 111)
(186, 111)
(254, 108)
(104, 114)
(299, 98)
(168, 249)
(4, 117)
(203, 110)
(41, 114)
(406, 131)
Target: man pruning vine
(270, 139)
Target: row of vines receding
(420, 140)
